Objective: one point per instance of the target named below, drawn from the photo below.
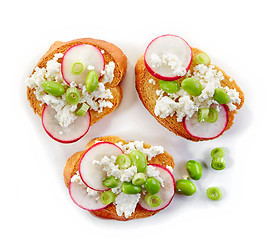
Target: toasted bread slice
(109, 212)
(147, 94)
(111, 53)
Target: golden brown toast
(111, 53)
(147, 94)
(71, 167)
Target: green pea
(218, 163)
(217, 152)
(139, 178)
(192, 86)
(91, 81)
(72, 95)
(214, 193)
(221, 96)
(194, 169)
(123, 161)
(129, 188)
(53, 88)
(139, 160)
(110, 182)
(201, 58)
(185, 187)
(152, 185)
(152, 200)
(169, 86)
(107, 197)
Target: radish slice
(92, 174)
(168, 57)
(72, 133)
(166, 193)
(80, 196)
(87, 57)
(204, 129)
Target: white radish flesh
(72, 133)
(85, 54)
(165, 193)
(205, 130)
(80, 196)
(92, 174)
(168, 57)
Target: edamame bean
(221, 96)
(194, 169)
(185, 187)
(152, 185)
(53, 88)
(201, 58)
(107, 197)
(129, 188)
(92, 81)
(169, 86)
(192, 86)
(139, 160)
(110, 182)
(123, 161)
(214, 193)
(72, 95)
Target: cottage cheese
(65, 113)
(182, 104)
(170, 61)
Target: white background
(237, 35)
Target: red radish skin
(52, 127)
(90, 179)
(142, 203)
(153, 72)
(217, 134)
(86, 72)
(80, 197)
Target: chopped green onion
(110, 182)
(91, 81)
(201, 58)
(139, 178)
(218, 163)
(218, 152)
(123, 161)
(203, 114)
(214, 193)
(213, 115)
(77, 68)
(107, 197)
(72, 95)
(152, 200)
(82, 110)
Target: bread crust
(111, 53)
(72, 164)
(147, 94)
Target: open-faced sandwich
(115, 179)
(185, 92)
(75, 84)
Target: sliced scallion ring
(82, 110)
(72, 95)
(107, 197)
(77, 68)
(203, 114)
(214, 193)
(218, 163)
(212, 116)
(153, 200)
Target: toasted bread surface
(147, 94)
(111, 53)
(72, 164)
